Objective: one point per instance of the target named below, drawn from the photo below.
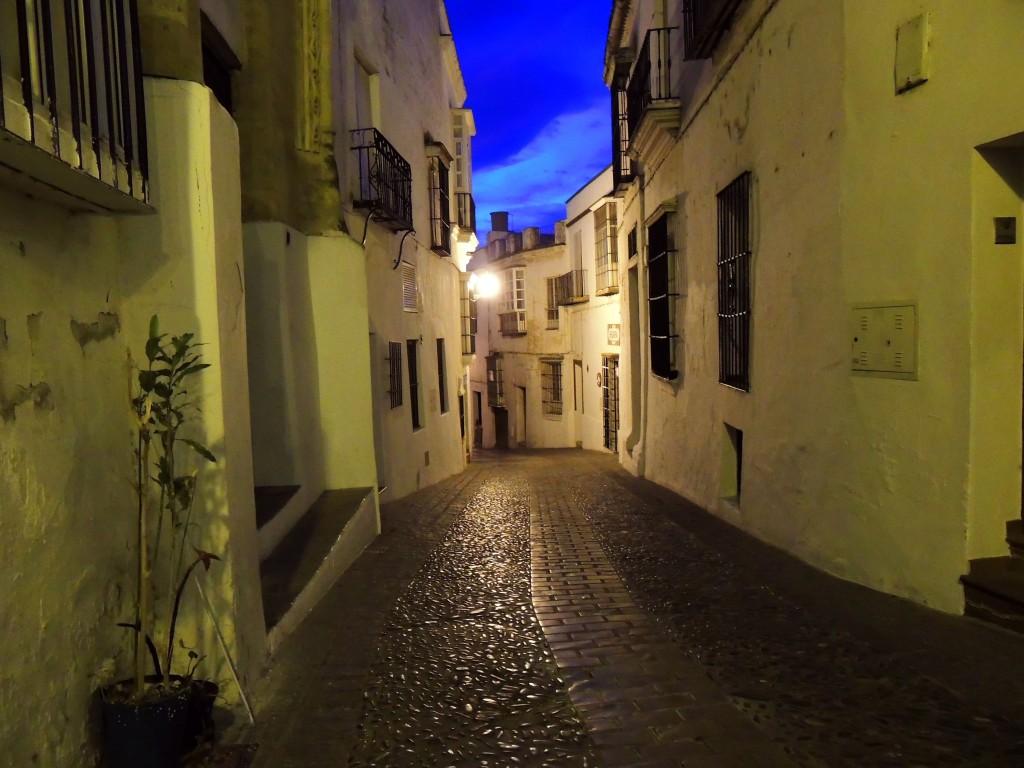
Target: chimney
(499, 221)
(531, 238)
(560, 232)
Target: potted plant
(145, 716)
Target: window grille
(552, 306)
(71, 85)
(610, 400)
(414, 382)
(468, 317)
(661, 298)
(395, 373)
(495, 382)
(607, 255)
(622, 170)
(734, 308)
(551, 386)
(632, 247)
(408, 287)
(440, 208)
(442, 376)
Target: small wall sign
(614, 334)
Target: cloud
(534, 183)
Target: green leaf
(202, 450)
(154, 326)
(153, 348)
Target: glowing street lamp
(483, 285)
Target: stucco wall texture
(78, 293)
(860, 195)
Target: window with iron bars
(71, 84)
(495, 382)
(552, 306)
(414, 382)
(734, 306)
(440, 208)
(551, 386)
(395, 373)
(607, 254)
(468, 316)
(661, 297)
(442, 376)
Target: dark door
(610, 400)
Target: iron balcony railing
(385, 179)
(71, 85)
(572, 287)
(512, 323)
(622, 164)
(651, 79)
(466, 211)
(704, 22)
(440, 208)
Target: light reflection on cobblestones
(463, 676)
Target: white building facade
(822, 304)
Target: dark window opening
(661, 296)
(734, 306)
(414, 382)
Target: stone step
(994, 591)
(315, 552)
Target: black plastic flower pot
(199, 726)
(148, 732)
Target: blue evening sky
(533, 72)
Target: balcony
(466, 211)
(72, 109)
(571, 288)
(385, 179)
(512, 323)
(704, 23)
(652, 108)
(622, 168)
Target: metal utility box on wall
(884, 340)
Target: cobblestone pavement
(657, 636)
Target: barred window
(552, 307)
(607, 255)
(661, 297)
(551, 386)
(395, 373)
(440, 208)
(468, 316)
(495, 382)
(414, 382)
(734, 310)
(442, 376)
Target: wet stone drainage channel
(463, 676)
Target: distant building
(546, 373)
(820, 211)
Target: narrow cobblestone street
(547, 609)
